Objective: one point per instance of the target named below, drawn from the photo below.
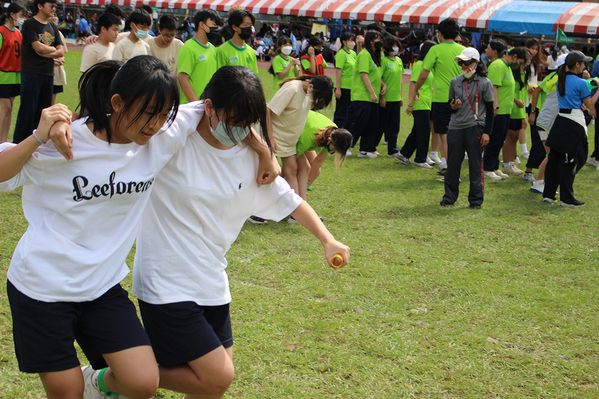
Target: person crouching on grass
(471, 100)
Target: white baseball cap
(468, 53)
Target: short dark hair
(147, 9)
(449, 28)
(426, 46)
(347, 36)
(106, 20)
(206, 14)
(115, 10)
(42, 3)
(236, 17)
(167, 22)
(140, 16)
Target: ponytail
(561, 80)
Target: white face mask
(286, 50)
(395, 50)
(351, 45)
(122, 25)
(238, 133)
(19, 21)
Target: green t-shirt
(440, 61)
(229, 54)
(346, 61)
(279, 63)
(500, 74)
(364, 63)
(199, 62)
(426, 91)
(314, 122)
(520, 94)
(391, 73)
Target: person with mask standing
(312, 61)
(134, 45)
(236, 51)
(10, 63)
(196, 62)
(283, 65)
(345, 61)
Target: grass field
(435, 303)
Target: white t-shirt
(95, 53)
(126, 49)
(198, 206)
(84, 214)
(168, 54)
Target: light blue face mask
(141, 34)
(220, 133)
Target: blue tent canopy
(533, 17)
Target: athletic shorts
(44, 332)
(440, 115)
(515, 124)
(57, 89)
(184, 331)
(9, 91)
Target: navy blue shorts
(9, 91)
(184, 331)
(44, 332)
(440, 115)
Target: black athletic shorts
(9, 91)
(515, 124)
(440, 115)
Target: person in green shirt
(196, 61)
(236, 51)
(283, 66)
(501, 75)
(440, 61)
(319, 139)
(420, 109)
(345, 61)
(521, 75)
(363, 112)
(390, 104)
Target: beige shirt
(60, 75)
(290, 107)
(95, 53)
(167, 54)
(126, 49)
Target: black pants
(341, 106)
(500, 126)
(560, 173)
(362, 121)
(537, 151)
(36, 94)
(419, 136)
(459, 141)
(389, 120)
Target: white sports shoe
(528, 177)
(516, 170)
(422, 165)
(348, 153)
(435, 158)
(525, 155)
(593, 162)
(364, 154)
(90, 378)
(538, 186)
(430, 161)
(501, 174)
(399, 157)
(491, 175)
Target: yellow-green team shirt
(346, 61)
(278, 65)
(439, 60)
(314, 122)
(364, 63)
(520, 94)
(424, 101)
(199, 62)
(501, 75)
(392, 72)
(229, 54)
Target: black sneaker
(445, 203)
(441, 172)
(257, 220)
(474, 206)
(574, 204)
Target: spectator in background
(83, 32)
(101, 50)
(312, 61)
(236, 51)
(226, 32)
(41, 45)
(165, 46)
(134, 44)
(60, 75)
(345, 61)
(94, 23)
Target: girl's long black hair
(237, 97)
(521, 53)
(142, 80)
(376, 55)
(13, 8)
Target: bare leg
(303, 172)
(443, 139)
(541, 175)
(133, 372)
(509, 146)
(290, 172)
(435, 140)
(66, 384)
(5, 117)
(54, 98)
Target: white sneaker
(399, 157)
(292, 220)
(422, 165)
(491, 175)
(435, 158)
(516, 170)
(510, 171)
(550, 200)
(90, 378)
(517, 160)
(501, 174)
(364, 154)
(466, 156)
(592, 162)
(348, 153)
(430, 161)
(538, 186)
(528, 177)
(525, 155)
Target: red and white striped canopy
(582, 18)
(470, 13)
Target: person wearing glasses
(470, 126)
(165, 46)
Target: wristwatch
(533, 111)
(496, 108)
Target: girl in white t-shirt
(288, 111)
(83, 214)
(200, 202)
